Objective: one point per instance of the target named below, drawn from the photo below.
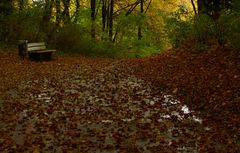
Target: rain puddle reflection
(127, 115)
(183, 111)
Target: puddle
(102, 117)
(44, 97)
(17, 136)
(182, 112)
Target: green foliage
(229, 32)
(70, 38)
(201, 29)
(180, 28)
(76, 39)
(177, 27)
(23, 25)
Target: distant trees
(133, 23)
(213, 7)
(58, 11)
(6, 7)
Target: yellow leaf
(36, 149)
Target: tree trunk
(140, 26)
(93, 10)
(65, 14)
(21, 5)
(194, 7)
(6, 7)
(201, 8)
(46, 19)
(77, 5)
(104, 14)
(77, 10)
(58, 12)
(110, 34)
(210, 7)
(47, 11)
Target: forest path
(77, 104)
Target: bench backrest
(36, 46)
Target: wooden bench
(36, 51)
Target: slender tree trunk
(6, 7)
(77, 10)
(46, 19)
(65, 14)
(104, 15)
(93, 10)
(201, 8)
(110, 35)
(58, 12)
(108, 10)
(140, 26)
(21, 5)
(77, 5)
(194, 7)
(48, 11)
(130, 10)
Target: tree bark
(77, 4)
(93, 10)
(110, 34)
(6, 7)
(77, 11)
(201, 8)
(194, 7)
(104, 14)
(140, 26)
(58, 12)
(47, 11)
(21, 5)
(65, 14)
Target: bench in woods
(36, 51)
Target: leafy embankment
(79, 104)
(208, 83)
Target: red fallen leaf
(202, 149)
(173, 143)
(160, 139)
(7, 143)
(175, 133)
(108, 146)
(83, 141)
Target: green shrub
(177, 27)
(201, 29)
(22, 25)
(229, 31)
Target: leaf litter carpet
(94, 105)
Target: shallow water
(101, 114)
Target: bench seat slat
(36, 48)
(36, 44)
(42, 51)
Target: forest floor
(173, 102)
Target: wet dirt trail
(94, 107)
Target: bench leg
(34, 56)
(41, 56)
(46, 56)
